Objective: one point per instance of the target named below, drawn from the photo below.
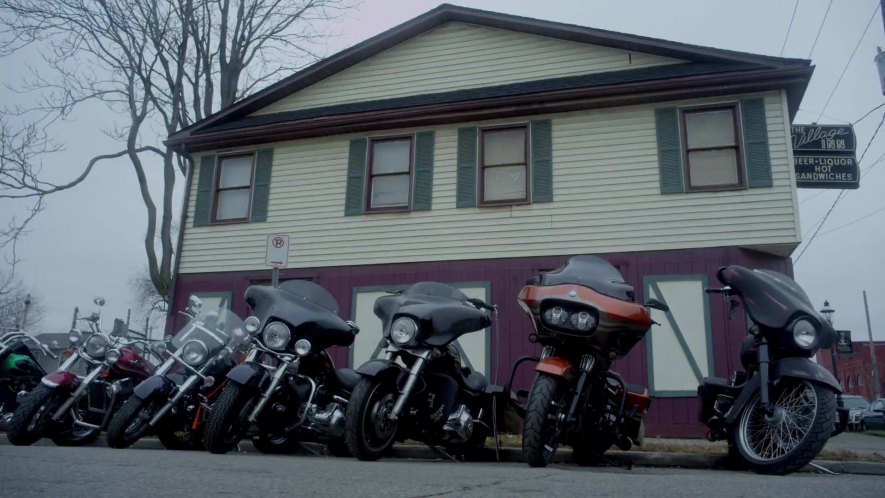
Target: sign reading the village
(843, 342)
(823, 138)
(824, 156)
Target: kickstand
(307, 450)
(626, 466)
(823, 469)
(442, 453)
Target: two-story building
(479, 148)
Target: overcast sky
(88, 242)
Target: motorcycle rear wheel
(804, 413)
(32, 417)
(542, 420)
(227, 423)
(368, 430)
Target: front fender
(379, 367)
(61, 379)
(152, 385)
(802, 368)
(559, 367)
(249, 374)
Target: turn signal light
(105, 373)
(68, 353)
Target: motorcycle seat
(347, 377)
(475, 381)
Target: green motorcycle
(19, 370)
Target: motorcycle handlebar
(479, 303)
(718, 290)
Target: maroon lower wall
(668, 416)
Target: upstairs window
(233, 191)
(390, 174)
(713, 156)
(504, 171)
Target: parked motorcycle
(19, 370)
(778, 413)
(585, 318)
(173, 402)
(433, 399)
(71, 409)
(287, 390)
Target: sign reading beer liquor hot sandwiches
(824, 156)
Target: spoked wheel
(543, 420)
(227, 423)
(796, 431)
(32, 418)
(369, 431)
(130, 423)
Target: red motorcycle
(584, 315)
(73, 409)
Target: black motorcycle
(434, 399)
(287, 390)
(778, 413)
(19, 370)
(172, 403)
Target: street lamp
(827, 312)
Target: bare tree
(14, 299)
(162, 65)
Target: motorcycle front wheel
(802, 421)
(228, 420)
(369, 431)
(32, 417)
(130, 423)
(542, 420)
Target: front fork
(414, 372)
(84, 384)
(764, 362)
(285, 365)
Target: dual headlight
(194, 352)
(113, 356)
(403, 331)
(805, 333)
(96, 345)
(581, 321)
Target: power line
(795, 8)
(855, 221)
(849, 61)
(874, 109)
(819, 29)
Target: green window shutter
(356, 172)
(466, 181)
(203, 206)
(669, 150)
(261, 189)
(423, 192)
(542, 161)
(755, 133)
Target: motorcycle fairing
(593, 272)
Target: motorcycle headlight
(403, 330)
(583, 321)
(74, 336)
(302, 347)
(556, 316)
(805, 333)
(96, 346)
(113, 356)
(194, 352)
(276, 335)
(252, 324)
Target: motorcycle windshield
(435, 289)
(593, 272)
(312, 292)
(215, 328)
(772, 299)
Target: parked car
(874, 416)
(856, 405)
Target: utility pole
(876, 386)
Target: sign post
(824, 156)
(277, 255)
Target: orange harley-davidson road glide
(585, 318)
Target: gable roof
(793, 73)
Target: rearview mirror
(655, 304)
(99, 301)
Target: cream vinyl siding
(456, 56)
(606, 199)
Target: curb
(625, 459)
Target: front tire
(804, 413)
(227, 423)
(32, 418)
(369, 432)
(130, 423)
(542, 420)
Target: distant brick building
(855, 369)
